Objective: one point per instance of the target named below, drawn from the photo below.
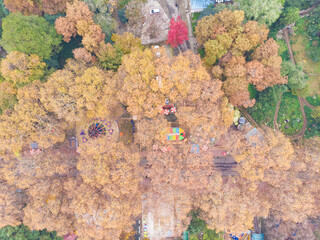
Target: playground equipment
(173, 134)
(99, 128)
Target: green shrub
(22, 232)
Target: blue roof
(200, 4)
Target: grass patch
(290, 115)
(312, 68)
(313, 127)
(314, 101)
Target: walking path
(302, 101)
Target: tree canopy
(30, 34)
(266, 12)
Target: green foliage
(30, 34)
(22, 232)
(313, 127)
(290, 110)
(111, 58)
(266, 102)
(252, 90)
(122, 3)
(297, 78)
(266, 12)
(211, 235)
(313, 23)
(52, 18)
(202, 52)
(316, 114)
(7, 101)
(196, 225)
(67, 49)
(283, 50)
(122, 15)
(107, 23)
(301, 4)
(289, 15)
(313, 52)
(314, 100)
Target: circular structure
(96, 130)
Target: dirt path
(300, 134)
(306, 103)
(301, 100)
(306, 11)
(275, 118)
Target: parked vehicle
(155, 11)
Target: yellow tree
(21, 69)
(30, 121)
(76, 92)
(126, 42)
(135, 76)
(11, 203)
(44, 210)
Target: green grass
(290, 110)
(300, 42)
(314, 102)
(313, 127)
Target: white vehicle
(155, 11)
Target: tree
(221, 35)
(30, 121)
(31, 35)
(77, 11)
(36, 7)
(316, 113)
(126, 42)
(23, 232)
(7, 96)
(178, 32)
(77, 92)
(109, 56)
(22, 69)
(261, 11)
(11, 204)
(289, 15)
(81, 54)
(297, 78)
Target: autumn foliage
(178, 32)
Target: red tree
(178, 32)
